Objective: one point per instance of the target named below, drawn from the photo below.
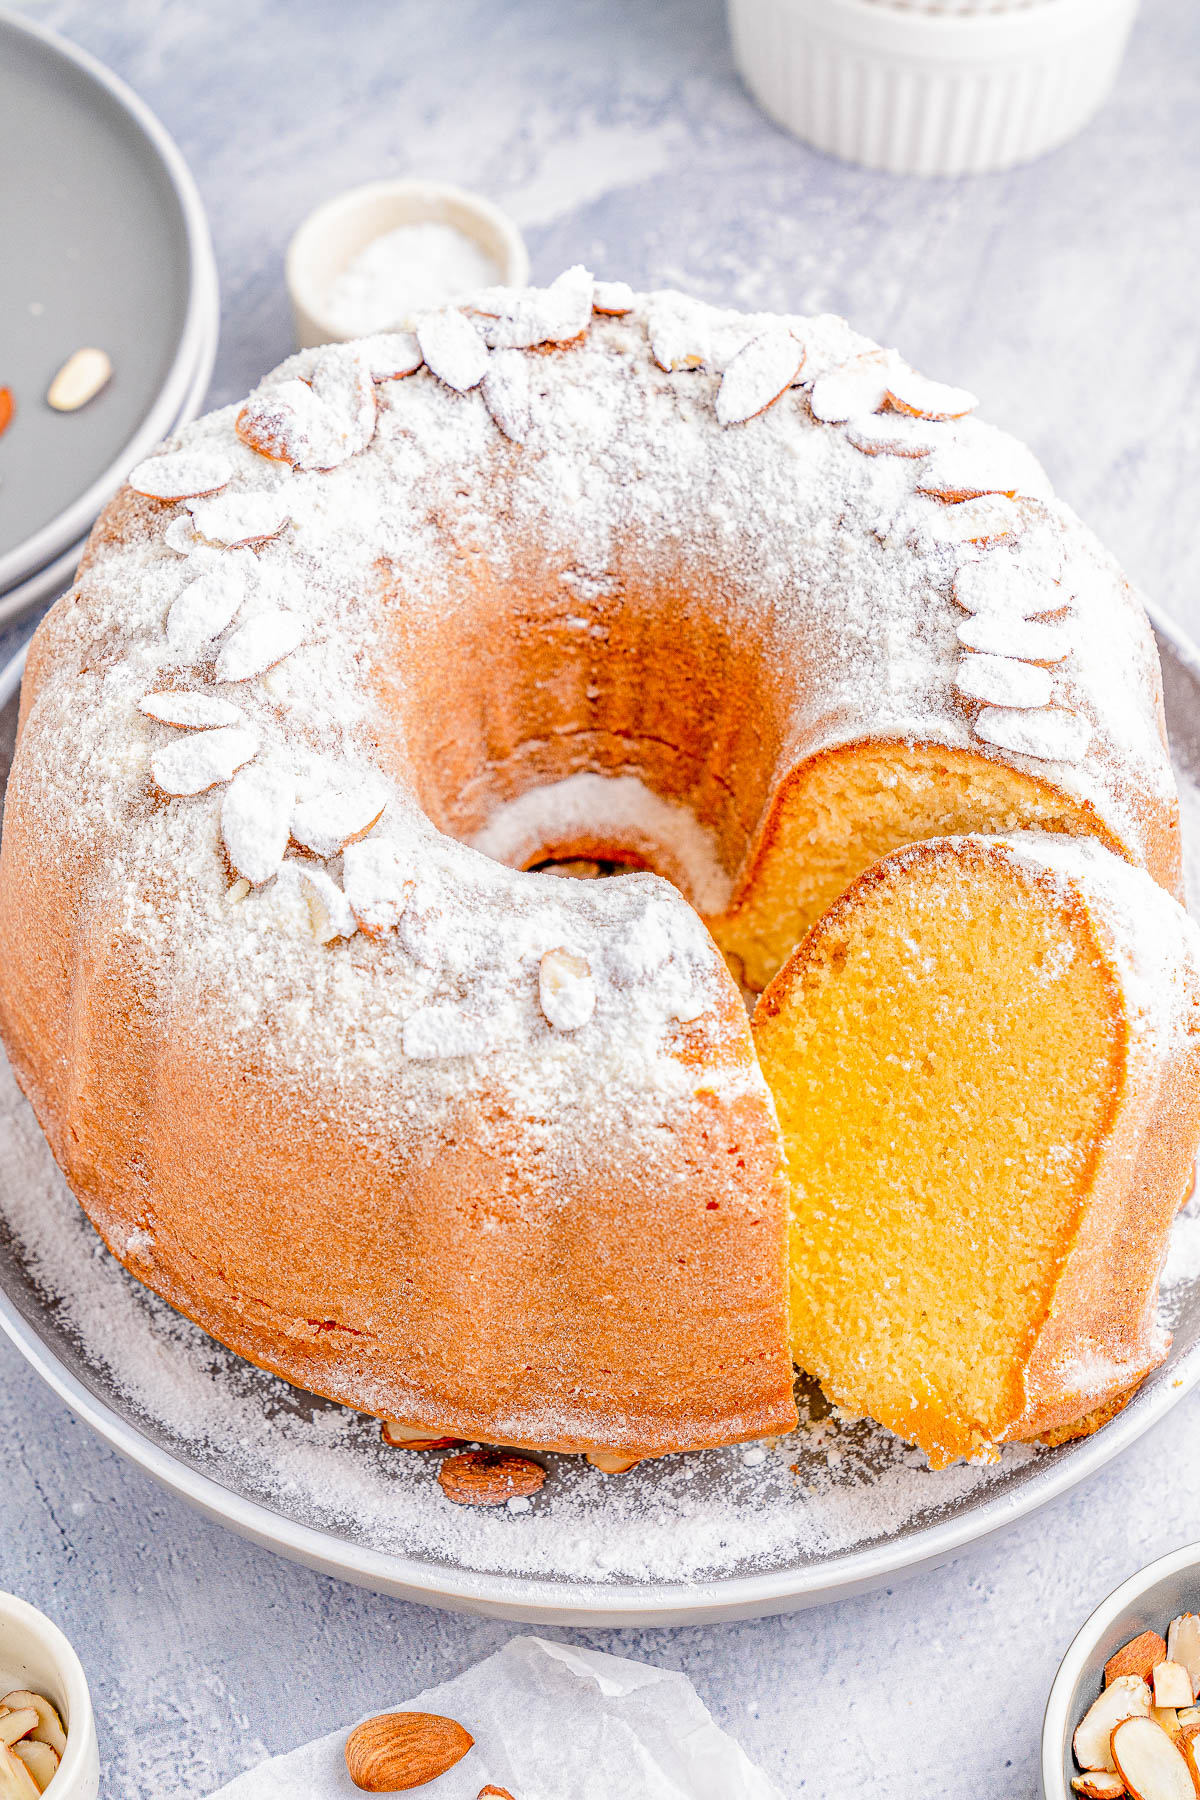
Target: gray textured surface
(1065, 293)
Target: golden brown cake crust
(344, 1133)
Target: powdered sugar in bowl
(370, 259)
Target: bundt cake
(739, 601)
(986, 1060)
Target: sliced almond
(453, 349)
(556, 314)
(39, 1759)
(413, 1437)
(1172, 1685)
(1183, 1646)
(909, 392)
(256, 818)
(390, 355)
(327, 822)
(16, 1722)
(1000, 582)
(612, 1462)
(755, 378)
(190, 711)
(50, 1729)
(853, 391)
(1003, 681)
(1051, 734)
(993, 519)
(182, 474)
(1167, 1718)
(892, 434)
(1029, 640)
(680, 331)
(209, 603)
(489, 1477)
(566, 989)
(508, 393)
(612, 298)
(16, 1782)
(232, 521)
(79, 380)
(259, 644)
(202, 759)
(1149, 1764)
(397, 1751)
(377, 883)
(1098, 1785)
(329, 911)
(1127, 1697)
(1189, 1745)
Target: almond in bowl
(47, 1731)
(1122, 1717)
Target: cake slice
(986, 1062)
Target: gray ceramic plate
(105, 243)
(822, 1515)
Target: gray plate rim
(199, 318)
(55, 577)
(627, 1603)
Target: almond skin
(1138, 1657)
(489, 1477)
(395, 1751)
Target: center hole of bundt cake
(586, 868)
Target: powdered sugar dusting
(618, 810)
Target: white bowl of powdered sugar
(375, 257)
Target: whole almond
(395, 1751)
(6, 408)
(493, 1793)
(489, 1477)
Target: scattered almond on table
(1141, 1736)
(32, 1742)
(397, 1751)
(6, 409)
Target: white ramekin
(931, 87)
(35, 1654)
(333, 235)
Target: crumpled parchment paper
(550, 1722)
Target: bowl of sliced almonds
(47, 1732)
(1123, 1716)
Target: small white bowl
(931, 87)
(1148, 1601)
(332, 236)
(35, 1654)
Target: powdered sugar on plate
(832, 1487)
